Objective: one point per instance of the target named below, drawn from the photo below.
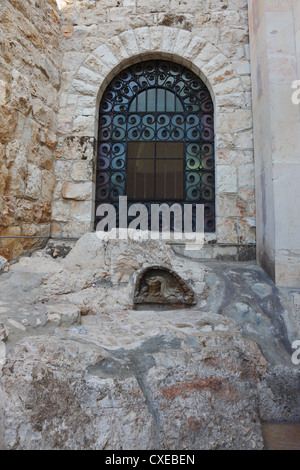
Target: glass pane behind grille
(155, 171)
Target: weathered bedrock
(83, 369)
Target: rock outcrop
(83, 369)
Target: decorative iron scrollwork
(157, 101)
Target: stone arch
(146, 43)
(233, 115)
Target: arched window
(156, 139)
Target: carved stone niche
(161, 285)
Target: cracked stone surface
(83, 369)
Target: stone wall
(275, 61)
(29, 85)
(98, 39)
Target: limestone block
(225, 252)
(18, 168)
(55, 229)
(194, 48)
(208, 53)
(231, 206)
(73, 60)
(20, 93)
(83, 31)
(143, 39)
(104, 54)
(246, 176)
(88, 76)
(227, 73)
(13, 231)
(8, 123)
(3, 93)
(224, 141)
(77, 191)
(169, 39)
(129, 42)
(202, 19)
(225, 17)
(239, 120)
(117, 49)
(51, 71)
(227, 87)
(42, 212)
(24, 210)
(216, 63)
(79, 86)
(64, 125)
(234, 99)
(84, 125)
(153, 6)
(247, 194)
(227, 230)
(244, 139)
(72, 44)
(247, 230)
(234, 35)
(129, 3)
(233, 157)
(97, 66)
(243, 67)
(89, 16)
(3, 177)
(6, 253)
(33, 182)
(81, 211)
(43, 157)
(226, 179)
(156, 37)
(60, 211)
(48, 184)
(78, 148)
(135, 21)
(75, 229)
(30, 230)
(81, 171)
(45, 229)
(186, 5)
(8, 211)
(3, 329)
(48, 138)
(172, 19)
(182, 42)
(43, 114)
(66, 30)
(62, 170)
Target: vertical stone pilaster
(275, 64)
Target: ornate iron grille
(156, 139)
